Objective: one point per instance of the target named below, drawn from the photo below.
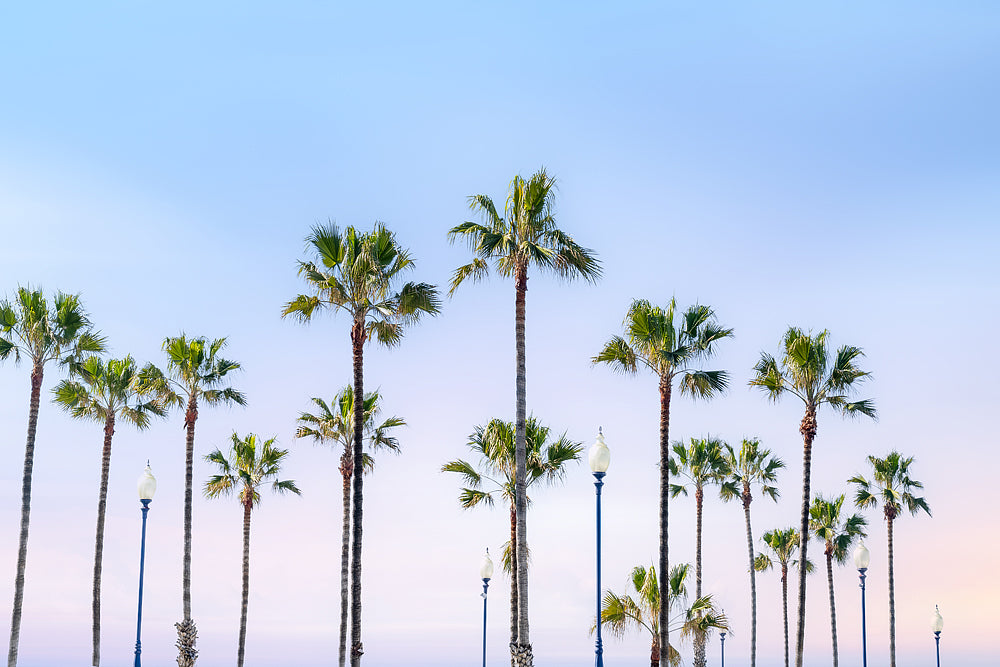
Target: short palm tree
(622, 613)
(359, 273)
(493, 476)
(106, 393)
(805, 371)
(838, 536)
(525, 236)
(783, 544)
(893, 488)
(671, 351)
(752, 466)
(703, 463)
(249, 467)
(197, 373)
(60, 333)
(334, 423)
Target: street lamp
(147, 489)
(722, 636)
(485, 572)
(599, 458)
(937, 626)
(861, 560)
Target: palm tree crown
(111, 389)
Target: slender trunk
(808, 430)
(833, 607)
(102, 501)
(664, 620)
(357, 342)
(699, 638)
(892, 599)
(747, 499)
(246, 584)
(513, 579)
(346, 470)
(522, 650)
(784, 604)
(22, 548)
(187, 633)
(654, 655)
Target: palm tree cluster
(360, 274)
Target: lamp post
(485, 572)
(722, 636)
(861, 560)
(147, 488)
(599, 458)
(937, 626)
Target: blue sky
(830, 165)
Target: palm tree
(357, 273)
(892, 486)
(670, 352)
(246, 471)
(107, 392)
(702, 462)
(621, 613)
(805, 371)
(783, 544)
(63, 334)
(494, 444)
(838, 537)
(754, 465)
(336, 425)
(195, 371)
(526, 236)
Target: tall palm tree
(197, 373)
(893, 488)
(247, 470)
(671, 352)
(838, 536)
(783, 544)
(621, 613)
(525, 236)
(752, 466)
(107, 392)
(496, 470)
(359, 273)
(60, 333)
(805, 371)
(703, 463)
(334, 423)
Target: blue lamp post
(937, 626)
(485, 572)
(147, 488)
(861, 560)
(599, 458)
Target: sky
(823, 165)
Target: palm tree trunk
(664, 621)
(346, 469)
(747, 499)
(102, 502)
(522, 650)
(808, 430)
(784, 604)
(246, 584)
(357, 342)
(833, 608)
(513, 580)
(654, 655)
(186, 630)
(892, 601)
(699, 638)
(22, 548)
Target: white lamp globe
(147, 484)
(599, 456)
(937, 625)
(486, 569)
(862, 557)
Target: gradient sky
(824, 165)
